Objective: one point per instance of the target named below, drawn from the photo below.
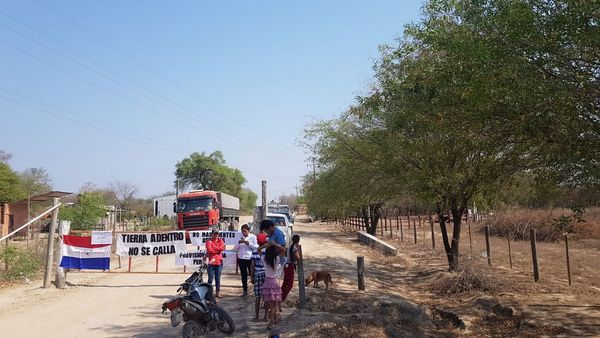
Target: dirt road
(397, 296)
(129, 305)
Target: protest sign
(151, 244)
(101, 237)
(196, 257)
(198, 238)
(190, 258)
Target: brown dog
(318, 276)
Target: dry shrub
(359, 328)
(550, 224)
(470, 276)
(495, 326)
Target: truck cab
(204, 209)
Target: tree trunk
(457, 213)
(442, 218)
(366, 218)
(375, 216)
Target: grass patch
(20, 264)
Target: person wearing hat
(214, 247)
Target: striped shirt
(259, 267)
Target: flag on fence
(79, 253)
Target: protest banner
(198, 238)
(196, 257)
(151, 244)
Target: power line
(184, 123)
(96, 122)
(270, 151)
(107, 130)
(148, 69)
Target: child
(257, 271)
(271, 291)
(293, 256)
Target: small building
(15, 214)
(163, 206)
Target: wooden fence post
(360, 265)
(385, 222)
(487, 245)
(536, 271)
(470, 239)
(509, 252)
(415, 229)
(432, 233)
(568, 262)
(401, 231)
(301, 291)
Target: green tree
(202, 171)
(474, 94)
(247, 200)
(10, 187)
(350, 177)
(86, 212)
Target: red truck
(205, 209)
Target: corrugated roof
(45, 197)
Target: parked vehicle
(198, 308)
(204, 209)
(282, 209)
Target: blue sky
(99, 91)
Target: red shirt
(214, 249)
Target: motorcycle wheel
(225, 324)
(191, 329)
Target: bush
(153, 223)
(470, 276)
(21, 264)
(550, 224)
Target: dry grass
(517, 223)
(471, 276)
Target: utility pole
(314, 170)
(50, 251)
(264, 201)
(296, 191)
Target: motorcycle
(198, 308)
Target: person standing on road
(271, 291)
(244, 248)
(214, 247)
(257, 269)
(289, 270)
(276, 236)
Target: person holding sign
(245, 246)
(214, 248)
